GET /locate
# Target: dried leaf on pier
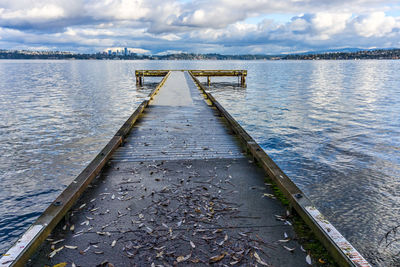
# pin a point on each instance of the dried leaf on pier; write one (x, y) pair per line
(243, 234)
(285, 235)
(289, 249)
(71, 247)
(192, 244)
(149, 230)
(223, 241)
(103, 233)
(208, 237)
(105, 264)
(78, 233)
(308, 259)
(160, 254)
(82, 252)
(269, 195)
(259, 260)
(217, 231)
(217, 258)
(183, 258)
(113, 243)
(195, 260)
(56, 242)
(54, 252)
(61, 264)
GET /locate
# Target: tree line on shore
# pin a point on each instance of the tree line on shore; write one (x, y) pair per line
(362, 54)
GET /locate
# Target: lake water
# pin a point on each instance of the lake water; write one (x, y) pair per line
(332, 126)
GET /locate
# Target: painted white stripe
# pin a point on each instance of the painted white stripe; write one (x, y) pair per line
(338, 239)
(8, 258)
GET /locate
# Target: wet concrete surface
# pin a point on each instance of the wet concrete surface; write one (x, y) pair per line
(149, 208)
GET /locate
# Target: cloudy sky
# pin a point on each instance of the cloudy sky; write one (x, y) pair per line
(203, 26)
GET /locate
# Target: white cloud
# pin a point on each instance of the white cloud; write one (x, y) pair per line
(202, 26)
(299, 24)
(118, 10)
(328, 24)
(169, 37)
(376, 24)
(45, 12)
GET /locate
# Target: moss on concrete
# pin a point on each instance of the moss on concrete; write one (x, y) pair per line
(304, 234)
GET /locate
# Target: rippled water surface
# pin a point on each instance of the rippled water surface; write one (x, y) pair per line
(332, 126)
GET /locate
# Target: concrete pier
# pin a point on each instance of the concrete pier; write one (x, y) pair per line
(174, 187)
(179, 191)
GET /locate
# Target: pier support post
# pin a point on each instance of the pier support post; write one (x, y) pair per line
(208, 80)
(243, 80)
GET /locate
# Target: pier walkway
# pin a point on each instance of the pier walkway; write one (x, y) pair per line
(178, 191)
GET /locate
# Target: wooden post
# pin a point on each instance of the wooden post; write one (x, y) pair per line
(243, 81)
(139, 79)
(208, 81)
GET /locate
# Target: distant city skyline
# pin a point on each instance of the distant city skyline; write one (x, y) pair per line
(221, 26)
(124, 50)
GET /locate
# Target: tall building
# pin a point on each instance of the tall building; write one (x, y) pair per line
(109, 52)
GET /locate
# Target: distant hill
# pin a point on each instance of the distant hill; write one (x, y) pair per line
(346, 53)
(341, 50)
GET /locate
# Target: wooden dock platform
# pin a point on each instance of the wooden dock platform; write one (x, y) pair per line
(173, 187)
(242, 74)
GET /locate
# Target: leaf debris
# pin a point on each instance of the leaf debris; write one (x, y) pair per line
(217, 258)
(183, 222)
(183, 258)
